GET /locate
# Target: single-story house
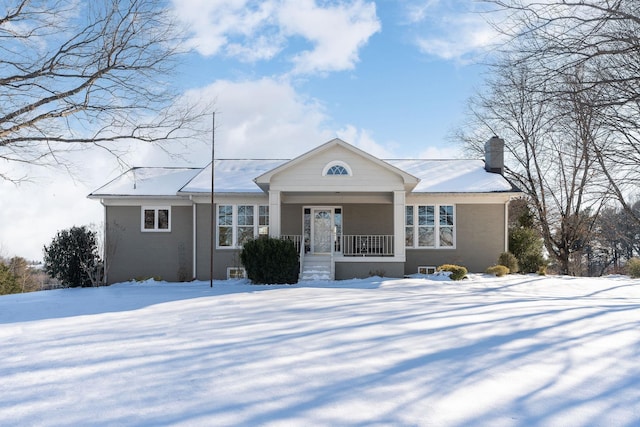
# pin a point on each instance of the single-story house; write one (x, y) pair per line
(349, 213)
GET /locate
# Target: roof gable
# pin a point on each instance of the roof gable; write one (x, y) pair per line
(307, 170)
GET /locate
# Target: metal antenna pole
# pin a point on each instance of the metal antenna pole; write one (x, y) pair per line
(213, 217)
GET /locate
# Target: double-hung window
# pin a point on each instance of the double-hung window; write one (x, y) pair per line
(430, 226)
(225, 225)
(238, 224)
(426, 226)
(246, 222)
(408, 227)
(263, 220)
(446, 225)
(156, 218)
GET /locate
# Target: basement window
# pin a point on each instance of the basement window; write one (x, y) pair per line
(426, 270)
(236, 273)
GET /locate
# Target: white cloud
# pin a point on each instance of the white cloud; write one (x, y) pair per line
(459, 38)
(363, 140)
(449, 152)
(265, 118)
(452, 30)
(33, 212)
(417, 12)
(253, 31)
(337, 32)
(214, 24)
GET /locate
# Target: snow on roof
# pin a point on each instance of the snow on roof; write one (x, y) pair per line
(231, 176)
(147, 182)
(452, 176)
(236, 176)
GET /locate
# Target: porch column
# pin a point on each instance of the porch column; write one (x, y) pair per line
(274, 213)
(398, 224)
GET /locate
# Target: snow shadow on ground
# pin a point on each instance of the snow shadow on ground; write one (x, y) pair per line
(136, 295)
(521, 351)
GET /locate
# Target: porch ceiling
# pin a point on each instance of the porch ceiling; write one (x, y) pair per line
(336, 197)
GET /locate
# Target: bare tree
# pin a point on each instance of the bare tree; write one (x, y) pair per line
(600, 39)
(74, 74)
(548, 153)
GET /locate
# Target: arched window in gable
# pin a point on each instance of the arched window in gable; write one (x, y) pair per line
(337, 168)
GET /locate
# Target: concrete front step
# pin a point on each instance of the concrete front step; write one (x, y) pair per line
(316, 268)
(306, 277)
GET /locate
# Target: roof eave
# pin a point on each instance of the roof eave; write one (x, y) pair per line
(135, 196)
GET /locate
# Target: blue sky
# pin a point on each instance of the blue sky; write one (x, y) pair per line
(391, 77)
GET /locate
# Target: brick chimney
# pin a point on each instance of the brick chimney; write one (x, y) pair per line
(494, 155)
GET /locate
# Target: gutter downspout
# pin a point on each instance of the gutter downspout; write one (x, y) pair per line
(506, 225)
(105, 267)
(195, 234)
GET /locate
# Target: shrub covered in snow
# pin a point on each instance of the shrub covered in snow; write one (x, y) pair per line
(268, 260)
(633, 267)
(457, 272)
(498, 270)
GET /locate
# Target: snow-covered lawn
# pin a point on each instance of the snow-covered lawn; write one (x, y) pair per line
(514, 351)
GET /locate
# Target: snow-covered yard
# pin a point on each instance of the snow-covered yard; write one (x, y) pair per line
(514, 351)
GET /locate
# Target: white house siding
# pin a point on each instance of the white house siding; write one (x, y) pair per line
(307, 176)
(480, 237)
(133, 254)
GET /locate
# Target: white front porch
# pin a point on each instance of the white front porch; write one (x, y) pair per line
(351, 245)
(358, 225)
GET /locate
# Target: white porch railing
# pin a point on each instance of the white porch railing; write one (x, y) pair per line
(295, 238)
(353, 244)
(367, 245)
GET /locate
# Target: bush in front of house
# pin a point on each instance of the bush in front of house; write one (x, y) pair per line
(269, 260)
(526, 245)
(542, 271)
(73, 259)
(633, 267)
(457, 272)
(532, 263)
(497, 270)
(510, 261)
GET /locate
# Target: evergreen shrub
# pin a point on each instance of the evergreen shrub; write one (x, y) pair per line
(8, 281)
(526, 245)
(269, 260)
(457, 272)
(510, 261)
(633, 267)
(73, 259)
(532, 263)
(497, 270)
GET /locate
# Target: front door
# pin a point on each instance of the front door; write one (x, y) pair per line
(321, 230)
